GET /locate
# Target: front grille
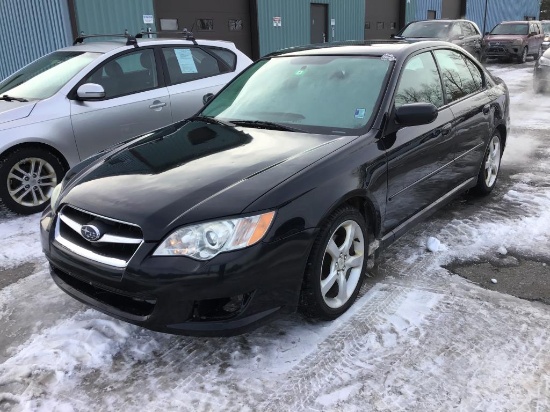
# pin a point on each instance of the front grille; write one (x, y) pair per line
(127, 304)
(117, 244)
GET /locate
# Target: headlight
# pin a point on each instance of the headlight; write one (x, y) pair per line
(55, 196)
(206, 240)
(547, 38)
(543, 61)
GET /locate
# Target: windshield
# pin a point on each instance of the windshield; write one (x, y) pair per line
(511, 29)
(44, 77)
(317, 94)
(546, 28)
(426, 29)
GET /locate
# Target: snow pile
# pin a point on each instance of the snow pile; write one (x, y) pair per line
(20, 241)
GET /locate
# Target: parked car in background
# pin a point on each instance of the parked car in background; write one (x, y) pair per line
(78, 100)
(541, 76)
(271, 199)
(463, 33)
(514, 40)
(546, 30)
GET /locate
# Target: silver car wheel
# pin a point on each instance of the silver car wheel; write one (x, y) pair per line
(492, 162)
(31, 181)
(342, 264)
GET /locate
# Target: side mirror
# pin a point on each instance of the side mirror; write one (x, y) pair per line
(90, 91)
(533, 33)
(416, 114)
(207, 97)
(486, 33)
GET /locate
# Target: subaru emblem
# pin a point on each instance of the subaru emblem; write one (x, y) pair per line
(90, 233)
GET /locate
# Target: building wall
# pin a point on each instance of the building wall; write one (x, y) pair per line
(112, 16)
(31, 29)
(382, 19)
(418, 9)
(500, 10)
(349, 17)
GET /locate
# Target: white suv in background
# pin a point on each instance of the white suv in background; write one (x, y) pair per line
(78, 100)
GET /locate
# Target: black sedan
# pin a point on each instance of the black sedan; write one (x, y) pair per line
(541, 77)
(277, 193)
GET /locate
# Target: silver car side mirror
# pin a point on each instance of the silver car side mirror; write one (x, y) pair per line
(90, 91)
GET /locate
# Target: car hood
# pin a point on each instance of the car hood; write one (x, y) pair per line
(191, 172)
(503, 38)
(14, 110)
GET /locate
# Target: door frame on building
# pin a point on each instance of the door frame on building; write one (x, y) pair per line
(324, 8)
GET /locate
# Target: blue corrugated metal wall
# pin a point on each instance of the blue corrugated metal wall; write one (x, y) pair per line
(31, 29)
(501, 10)
(418, 9)
(112, 16)
(349, 16)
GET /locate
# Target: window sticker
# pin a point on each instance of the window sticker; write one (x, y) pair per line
(360, 113)
(186, 61)
(389, 57)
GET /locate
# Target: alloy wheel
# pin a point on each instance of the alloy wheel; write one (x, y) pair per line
(492, 162)
(342, 264)
(31, 181)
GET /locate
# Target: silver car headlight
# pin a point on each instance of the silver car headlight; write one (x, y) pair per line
(543, 61)
(55, 197)
(206, 240)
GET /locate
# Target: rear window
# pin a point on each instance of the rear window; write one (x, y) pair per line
(226, 55)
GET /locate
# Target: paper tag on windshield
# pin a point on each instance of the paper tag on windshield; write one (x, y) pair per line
(360, 113)
(389, 57)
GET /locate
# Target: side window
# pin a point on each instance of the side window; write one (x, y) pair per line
(457, 78)
(186, 64)
(226, 55)
(419, 82)
(467, 29)
(476, 73)
(455, 31)
(128, 74)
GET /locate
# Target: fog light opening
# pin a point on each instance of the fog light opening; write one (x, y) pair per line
(222, 308)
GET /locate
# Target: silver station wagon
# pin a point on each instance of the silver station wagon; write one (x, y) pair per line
(78, 100)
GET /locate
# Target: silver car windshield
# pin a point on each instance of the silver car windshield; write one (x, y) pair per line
(317, 94)
(44, 77)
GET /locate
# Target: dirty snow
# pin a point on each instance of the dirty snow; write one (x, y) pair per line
(418, 338)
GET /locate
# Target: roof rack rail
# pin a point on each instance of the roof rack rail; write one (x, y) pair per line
(187, 35)
(130, 40)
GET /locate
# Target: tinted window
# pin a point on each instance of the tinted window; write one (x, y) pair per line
(188, 63)
(226, 55)
(457, 78)
(420, 82)
(128, 74)
(468, 29)
(426, 29)
(455, 31)
(44, 77)
(476, 73)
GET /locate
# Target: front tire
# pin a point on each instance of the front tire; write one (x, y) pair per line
(27, 179)
(523, 57)
(336, 266)
(490, 166)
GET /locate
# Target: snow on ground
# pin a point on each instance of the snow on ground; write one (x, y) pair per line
(417, 339)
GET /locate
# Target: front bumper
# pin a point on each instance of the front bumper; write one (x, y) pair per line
(228, 295)
(545, 45)
(502, 50)
(542, 76)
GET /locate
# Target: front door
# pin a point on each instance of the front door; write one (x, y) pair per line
(419, 157)
(319, 23)
(135, 103)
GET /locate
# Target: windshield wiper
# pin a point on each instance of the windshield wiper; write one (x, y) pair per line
(211, 120)
(259, 124)
(11, 99)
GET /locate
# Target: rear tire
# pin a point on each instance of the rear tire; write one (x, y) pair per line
(27, 178)
(336, 266)
(490, 166)
(539, 53)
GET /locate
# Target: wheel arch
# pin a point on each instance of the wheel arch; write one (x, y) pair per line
(38, 145)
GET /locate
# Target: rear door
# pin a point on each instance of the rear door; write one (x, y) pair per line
(136, 102)
(472, 39)
(470, 102)
(419, 157)
(193, 72)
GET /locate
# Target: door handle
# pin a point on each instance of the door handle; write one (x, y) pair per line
(445, 130)
(157, 104)
(486, 109)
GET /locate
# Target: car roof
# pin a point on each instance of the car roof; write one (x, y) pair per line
(108, 46)
(396, 48)
(519, 21)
